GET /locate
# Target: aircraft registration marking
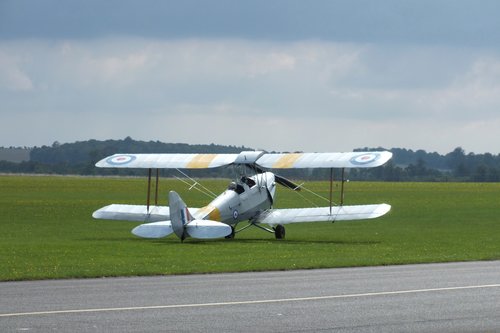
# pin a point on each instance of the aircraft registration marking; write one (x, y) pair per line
(201, 161)
(287, 160)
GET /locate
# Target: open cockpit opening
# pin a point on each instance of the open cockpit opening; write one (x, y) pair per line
(238, 188)
(249, 181)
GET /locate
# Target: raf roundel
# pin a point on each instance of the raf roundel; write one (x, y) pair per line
(120, 159)
(365, 158)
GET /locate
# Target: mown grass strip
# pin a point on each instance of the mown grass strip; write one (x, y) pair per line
(47, 230)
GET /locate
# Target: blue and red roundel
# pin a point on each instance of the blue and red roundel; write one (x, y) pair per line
(120, 159)
(365, 158)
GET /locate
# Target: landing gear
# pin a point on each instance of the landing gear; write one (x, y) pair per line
(279, 232)
(231, 235)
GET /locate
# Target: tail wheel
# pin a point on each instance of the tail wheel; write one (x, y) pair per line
(279, 232)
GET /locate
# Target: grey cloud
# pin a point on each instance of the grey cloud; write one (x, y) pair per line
(420, 22)
(312, 95)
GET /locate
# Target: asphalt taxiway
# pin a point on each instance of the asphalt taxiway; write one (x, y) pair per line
(449, 297)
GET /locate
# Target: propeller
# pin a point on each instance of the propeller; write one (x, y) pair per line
(279, 179)
(286, 183)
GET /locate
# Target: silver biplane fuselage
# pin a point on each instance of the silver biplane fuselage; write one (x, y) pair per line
(242, 200)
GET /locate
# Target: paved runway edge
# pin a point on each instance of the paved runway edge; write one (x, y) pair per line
(445, 297)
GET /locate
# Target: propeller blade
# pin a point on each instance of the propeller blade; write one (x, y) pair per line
(255, 168)
(286, 183)
(279, 179)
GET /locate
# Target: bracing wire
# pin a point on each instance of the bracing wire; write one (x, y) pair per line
(313, 193)
(195, 184)
(191, 186)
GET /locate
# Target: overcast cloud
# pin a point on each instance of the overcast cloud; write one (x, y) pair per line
(274, 75)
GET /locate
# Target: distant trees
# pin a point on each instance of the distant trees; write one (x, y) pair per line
(406, 165)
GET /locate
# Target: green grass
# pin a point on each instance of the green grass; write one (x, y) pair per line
(47, 231)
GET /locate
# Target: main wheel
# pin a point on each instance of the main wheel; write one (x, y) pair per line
(231, 235)
(279, 232)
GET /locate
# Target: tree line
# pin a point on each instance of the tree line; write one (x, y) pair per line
(406, 165)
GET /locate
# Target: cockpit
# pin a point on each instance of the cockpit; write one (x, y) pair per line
(238, 188)
(249, 181)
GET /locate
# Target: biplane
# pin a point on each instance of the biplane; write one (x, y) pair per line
(250, 197)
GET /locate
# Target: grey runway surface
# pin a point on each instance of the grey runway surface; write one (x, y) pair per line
(454, 297)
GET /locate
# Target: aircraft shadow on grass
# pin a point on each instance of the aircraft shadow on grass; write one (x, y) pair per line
(266, 242)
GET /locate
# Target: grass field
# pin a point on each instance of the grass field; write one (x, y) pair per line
(47, 230)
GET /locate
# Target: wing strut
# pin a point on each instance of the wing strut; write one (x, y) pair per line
(148, 200)
(342, 188)
(149, 189)
(156, 188)
(331, 189)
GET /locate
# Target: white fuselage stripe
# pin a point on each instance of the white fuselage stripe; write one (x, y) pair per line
(282, 300)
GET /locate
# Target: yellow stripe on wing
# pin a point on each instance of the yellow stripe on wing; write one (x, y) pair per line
(287, 161)
(201, 161)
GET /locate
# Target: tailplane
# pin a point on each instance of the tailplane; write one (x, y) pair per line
(182, 224)
(153, 230)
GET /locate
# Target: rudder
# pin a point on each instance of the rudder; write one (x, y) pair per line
(179, 214)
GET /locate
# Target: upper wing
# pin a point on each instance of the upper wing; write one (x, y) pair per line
(325, 160)
(270, 161)
(322, 214)
(167, 161)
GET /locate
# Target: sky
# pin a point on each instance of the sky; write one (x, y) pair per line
(315, 76)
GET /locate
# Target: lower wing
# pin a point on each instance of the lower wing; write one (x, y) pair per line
(322, 214)
(137, 213)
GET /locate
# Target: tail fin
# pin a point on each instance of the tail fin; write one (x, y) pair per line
(185, 225)
(179, 214)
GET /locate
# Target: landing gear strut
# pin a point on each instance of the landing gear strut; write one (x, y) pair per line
(231, 235)
(279, 232)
